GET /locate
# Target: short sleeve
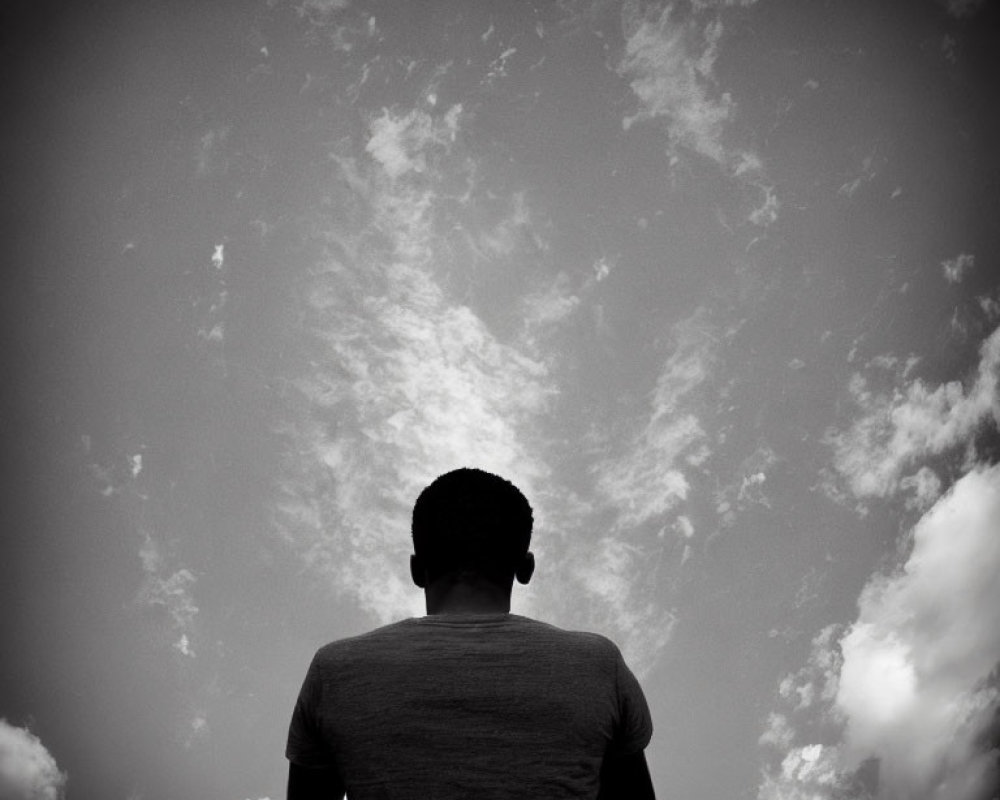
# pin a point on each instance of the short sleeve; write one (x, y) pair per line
(635, 724)
(305, 745)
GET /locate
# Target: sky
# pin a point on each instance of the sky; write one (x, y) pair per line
(713, 281)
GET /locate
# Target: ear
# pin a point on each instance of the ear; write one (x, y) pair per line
(417, 572)
(526, 568)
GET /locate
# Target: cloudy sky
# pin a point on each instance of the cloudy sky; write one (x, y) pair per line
(714, 281)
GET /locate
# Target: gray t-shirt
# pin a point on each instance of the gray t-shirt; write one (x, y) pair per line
(464, 706)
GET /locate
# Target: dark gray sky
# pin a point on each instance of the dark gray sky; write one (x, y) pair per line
(714, 282)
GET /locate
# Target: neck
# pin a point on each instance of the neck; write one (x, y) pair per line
(444, 597)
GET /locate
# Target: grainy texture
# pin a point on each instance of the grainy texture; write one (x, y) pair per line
(468, 705)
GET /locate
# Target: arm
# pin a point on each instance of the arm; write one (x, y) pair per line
(313, 783)
(626, 777)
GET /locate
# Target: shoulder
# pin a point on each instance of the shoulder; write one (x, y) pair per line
(594, 645)
(349, 646)
(597, 640)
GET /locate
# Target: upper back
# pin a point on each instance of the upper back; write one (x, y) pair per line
(496, 705)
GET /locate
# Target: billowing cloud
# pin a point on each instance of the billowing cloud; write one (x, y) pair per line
(913, 683)
(898, 429)
(926, 639)
(27, 769)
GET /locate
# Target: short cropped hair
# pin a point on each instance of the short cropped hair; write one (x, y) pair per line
(469, 520)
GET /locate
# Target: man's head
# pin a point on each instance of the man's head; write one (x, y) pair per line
(473, 526)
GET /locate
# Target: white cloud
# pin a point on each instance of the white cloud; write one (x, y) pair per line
(549, 306)
(897, 430)
(816, 682)
(428, 389)
(172, 593)
(211, 153)
(702, 4)
(401, 143)
(613, 579)
(669, 61)
(404, 380)
(767, 212)
(961, 9)
(27, 769)
(866, 174)
(671, 69)
(603, 267)
(684, 527)
(990, 306)
(914, 685)
(416, 381)
(748, 489)
(807, 773)
(511, 231)
(955, 268)
(646, 479)
(778, 733)
(926, 487)
(925, 639)
(184, 645)
(498, 67)
(319, 10)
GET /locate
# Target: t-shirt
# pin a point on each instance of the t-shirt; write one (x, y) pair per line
(464, 706)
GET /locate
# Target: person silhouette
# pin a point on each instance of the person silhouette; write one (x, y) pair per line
(470, 701)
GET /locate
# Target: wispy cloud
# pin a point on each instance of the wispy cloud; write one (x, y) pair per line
(27, 769)
(702, 4)
(409, 381)
(509, 232)
(212, 307)
(401, 143)
(406, 380)
(898, 429)
(322, 8)
(171, 591)
(645, 478)
(670, 64)
(865, 174)
(913, 685)
(962, 9)
(550, 306)
(212, 152)
(669, 60)
(955, 268)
